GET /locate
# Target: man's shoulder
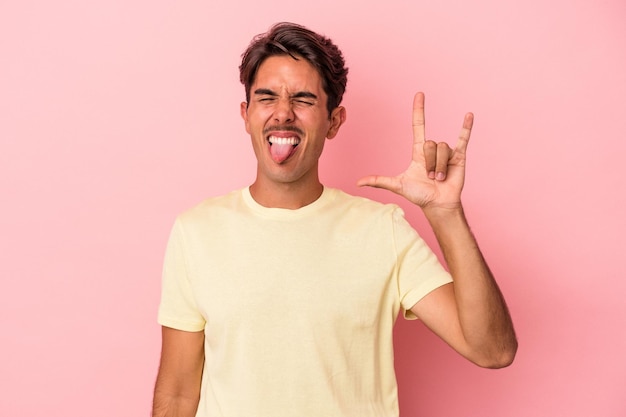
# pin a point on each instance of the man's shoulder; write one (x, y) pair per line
(214, 204)
(362, 204)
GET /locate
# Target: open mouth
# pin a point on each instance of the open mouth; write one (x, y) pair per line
(282, 148)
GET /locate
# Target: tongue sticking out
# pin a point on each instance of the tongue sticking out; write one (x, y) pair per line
(280, 152)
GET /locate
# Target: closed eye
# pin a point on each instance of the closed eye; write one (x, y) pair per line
(265, 95)
(305, 98)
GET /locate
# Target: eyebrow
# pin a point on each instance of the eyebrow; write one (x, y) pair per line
(299, 94)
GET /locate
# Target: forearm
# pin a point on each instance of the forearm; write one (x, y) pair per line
(169, 404)
(178, 384)
(482, 312)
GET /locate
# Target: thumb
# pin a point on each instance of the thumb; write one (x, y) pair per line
(379, 181)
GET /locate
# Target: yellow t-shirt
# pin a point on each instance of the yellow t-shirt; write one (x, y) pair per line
(297, 306)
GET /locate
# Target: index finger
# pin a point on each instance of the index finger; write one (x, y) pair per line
(419, 127)
(419, 121)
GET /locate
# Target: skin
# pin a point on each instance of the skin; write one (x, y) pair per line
(177, 389)
(287, 99)
(469, 314)
(288, 94)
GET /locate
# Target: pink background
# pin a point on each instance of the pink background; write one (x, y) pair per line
(117, 115)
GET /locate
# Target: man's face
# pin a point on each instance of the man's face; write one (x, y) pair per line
(288, 121)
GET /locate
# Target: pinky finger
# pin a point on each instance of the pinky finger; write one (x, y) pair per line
(466, 131)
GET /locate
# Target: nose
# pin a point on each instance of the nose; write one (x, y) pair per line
(283, 113)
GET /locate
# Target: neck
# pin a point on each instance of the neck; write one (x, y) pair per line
(285, 195)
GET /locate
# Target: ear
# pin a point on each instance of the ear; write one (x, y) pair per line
(337, 117)
(243, 111)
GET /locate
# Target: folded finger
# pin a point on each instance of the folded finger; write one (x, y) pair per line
(430, 158)
(443, 156)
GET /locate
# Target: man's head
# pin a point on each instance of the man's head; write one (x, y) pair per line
(299, 43)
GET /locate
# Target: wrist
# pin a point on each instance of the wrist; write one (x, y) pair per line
(445, 217)
(444, 212)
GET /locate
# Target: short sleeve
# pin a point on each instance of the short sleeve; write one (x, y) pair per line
(418, 269)
(178, 307)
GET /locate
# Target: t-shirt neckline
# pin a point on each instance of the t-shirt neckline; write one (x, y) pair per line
(328, 194)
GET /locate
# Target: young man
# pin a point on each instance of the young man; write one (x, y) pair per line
(279, 299)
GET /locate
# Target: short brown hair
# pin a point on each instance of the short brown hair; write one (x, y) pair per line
(297, 41)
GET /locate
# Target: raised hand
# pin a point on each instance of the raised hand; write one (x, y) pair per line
(436, 173)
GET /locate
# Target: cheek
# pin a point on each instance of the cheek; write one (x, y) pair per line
(257, 120)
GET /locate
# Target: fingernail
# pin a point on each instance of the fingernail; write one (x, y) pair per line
(431, 175)
(441, 176)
